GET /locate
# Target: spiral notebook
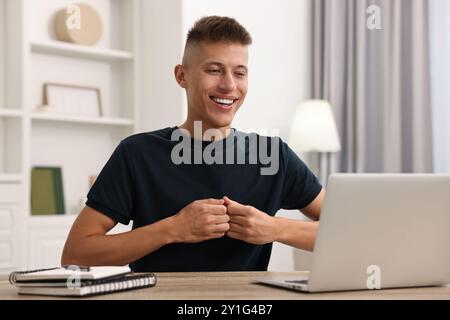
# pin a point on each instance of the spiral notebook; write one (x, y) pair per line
(86, 281)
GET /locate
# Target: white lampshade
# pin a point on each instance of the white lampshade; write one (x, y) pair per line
(313, 128)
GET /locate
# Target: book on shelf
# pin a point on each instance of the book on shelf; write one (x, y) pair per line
(47, 193)
(79, 281)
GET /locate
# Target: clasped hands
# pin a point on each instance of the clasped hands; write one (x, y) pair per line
(214, 218)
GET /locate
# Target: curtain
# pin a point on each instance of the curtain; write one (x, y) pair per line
(377, 80)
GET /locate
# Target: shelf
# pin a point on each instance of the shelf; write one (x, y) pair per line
(80, 51)
(81, 119)
(10, 113)
(10, 177)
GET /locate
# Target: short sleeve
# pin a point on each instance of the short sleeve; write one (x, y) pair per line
(300, 185)
(113, 190)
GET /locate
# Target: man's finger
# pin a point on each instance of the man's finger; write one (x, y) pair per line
(234, 207)
(211, 201)
(223, 227)
(217, 209)
(234, 235)
(223, 218)
(217, 235)
(227, 200)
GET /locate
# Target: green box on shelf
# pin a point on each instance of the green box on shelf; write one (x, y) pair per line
(47, 193)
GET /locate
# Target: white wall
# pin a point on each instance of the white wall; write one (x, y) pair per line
(440, 77)
(279, 68)
(162, 98)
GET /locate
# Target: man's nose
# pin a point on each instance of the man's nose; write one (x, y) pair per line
(227, 82)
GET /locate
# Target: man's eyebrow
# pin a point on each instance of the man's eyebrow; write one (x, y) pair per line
(241, 66)
(213, 62)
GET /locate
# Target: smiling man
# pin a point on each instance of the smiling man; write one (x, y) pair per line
(217, 214)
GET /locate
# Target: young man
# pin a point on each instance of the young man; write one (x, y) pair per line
(198, 215)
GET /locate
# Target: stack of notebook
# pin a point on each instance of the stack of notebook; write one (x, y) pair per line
(79, 281)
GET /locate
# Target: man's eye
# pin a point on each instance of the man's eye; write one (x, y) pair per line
(214, 71)
(241, 74)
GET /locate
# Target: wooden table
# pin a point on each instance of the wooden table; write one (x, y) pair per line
(236, 286)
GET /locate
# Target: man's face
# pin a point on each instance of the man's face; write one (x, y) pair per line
(216, 82)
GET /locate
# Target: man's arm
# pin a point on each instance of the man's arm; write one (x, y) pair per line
(301, 234)
(251, 225)
(88, 244)
(313, 210)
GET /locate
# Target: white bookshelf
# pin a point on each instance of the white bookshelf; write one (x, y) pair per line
(11, 149)
(30, 56)
(10, 113)
(11, 178)
(120, 122)
(79, 51)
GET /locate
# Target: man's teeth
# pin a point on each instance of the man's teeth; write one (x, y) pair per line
(223, 101)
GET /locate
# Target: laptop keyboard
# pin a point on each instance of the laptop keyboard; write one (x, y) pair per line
(297, 281)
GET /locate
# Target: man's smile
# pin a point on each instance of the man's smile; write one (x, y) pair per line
(223, 102)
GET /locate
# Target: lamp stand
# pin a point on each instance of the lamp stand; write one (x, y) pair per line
(324, 167)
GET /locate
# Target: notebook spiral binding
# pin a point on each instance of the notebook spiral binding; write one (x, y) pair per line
(135, 281)
(13, 275)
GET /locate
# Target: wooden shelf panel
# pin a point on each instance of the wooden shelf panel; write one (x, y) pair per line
(10, 113)
(10, 177)
(80, 119)
(80, 51)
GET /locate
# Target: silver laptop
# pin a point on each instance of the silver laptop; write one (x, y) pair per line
(380, 231)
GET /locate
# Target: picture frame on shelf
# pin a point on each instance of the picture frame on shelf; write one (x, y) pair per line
(70, 99)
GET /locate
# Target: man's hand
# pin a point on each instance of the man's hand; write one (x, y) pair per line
(249, 224)
(200, 220)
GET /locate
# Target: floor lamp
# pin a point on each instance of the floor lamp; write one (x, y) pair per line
(314, 130)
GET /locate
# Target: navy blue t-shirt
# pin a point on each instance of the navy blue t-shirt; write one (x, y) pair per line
(142, 182)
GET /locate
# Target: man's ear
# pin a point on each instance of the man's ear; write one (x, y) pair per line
(180, 75)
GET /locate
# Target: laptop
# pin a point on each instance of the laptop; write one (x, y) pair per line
(380, 231)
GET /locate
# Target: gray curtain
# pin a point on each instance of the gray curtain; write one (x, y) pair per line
(378, 82)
